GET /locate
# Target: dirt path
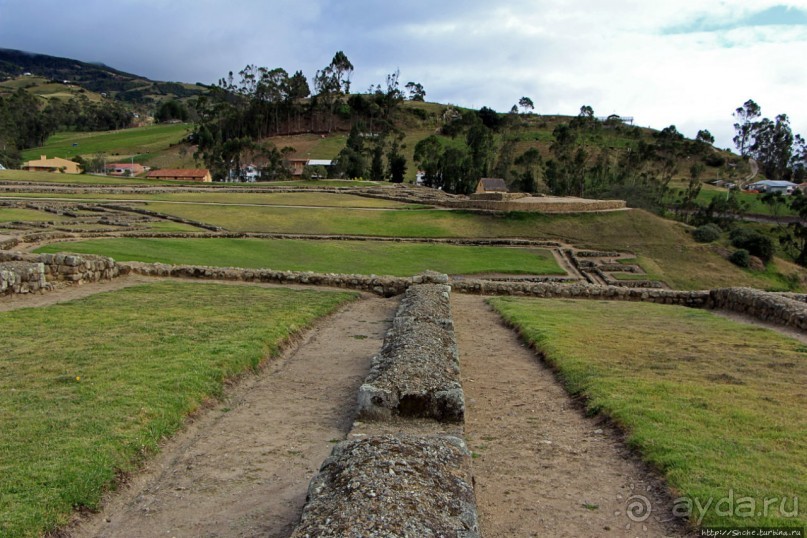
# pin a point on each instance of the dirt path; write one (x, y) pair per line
(69, 293)
(243, 468)
(541, 467)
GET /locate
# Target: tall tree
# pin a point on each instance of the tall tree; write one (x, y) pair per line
(377, 163)
(482, 149)
(332, 82)
(705, 136)
(745, 126)
(416, 91)
(526, 105)
(773, 147)
(396, 160)
(428, 153)
(794, 238)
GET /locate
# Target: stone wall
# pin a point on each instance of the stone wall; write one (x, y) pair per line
(68, 268)
(21, 277)
(771, 307)
(538, 205)
(416, 483)
(781, 308)
(388, 485)
(416, 373)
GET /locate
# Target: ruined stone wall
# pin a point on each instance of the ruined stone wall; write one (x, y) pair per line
(536, 205)
(771, 307)
(781, 308)
(21, 277)
(416, 373)
(66, 267)
(417, 483)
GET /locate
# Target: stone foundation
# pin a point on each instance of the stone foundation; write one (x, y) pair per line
(21, 277)
(392, 486)
(416, 373)
(66, 267)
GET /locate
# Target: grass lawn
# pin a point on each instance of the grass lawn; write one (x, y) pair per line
(670, 253)
(312, 199)
(121, 143)
(89, 387)
(78, 179)
(716, 405)
(13, 214)
(358, 257)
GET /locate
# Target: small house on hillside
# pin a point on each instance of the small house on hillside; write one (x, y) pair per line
(182, 174)
(124, 169)
(56, 164)
(489, 185)
(298, 165)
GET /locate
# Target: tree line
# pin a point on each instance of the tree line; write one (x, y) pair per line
(26, 120)
(240, 112)
(781, 154)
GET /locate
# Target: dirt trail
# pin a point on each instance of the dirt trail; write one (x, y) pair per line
(541, 467)
(242, 469)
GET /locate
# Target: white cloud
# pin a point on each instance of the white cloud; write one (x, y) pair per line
(652, 60)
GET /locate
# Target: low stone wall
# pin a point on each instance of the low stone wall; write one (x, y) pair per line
(416, 373)
(492, 241)
(21, 277)
(380, 285)
(10, 243)
(770, 307)
(68, 268)
(781, 308)
(393, 486)
(537, 205)
(172, 218)
(548, 290)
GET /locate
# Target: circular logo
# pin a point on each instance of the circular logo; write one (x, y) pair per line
(638, 508)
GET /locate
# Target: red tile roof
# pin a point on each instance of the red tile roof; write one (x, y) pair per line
(179, 172)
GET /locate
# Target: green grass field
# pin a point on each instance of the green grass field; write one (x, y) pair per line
(357, 257)
(13, 214)
(79, 179)
(115, 373)
(716, 405)
(312, 199)
(669, 252)
(123, 143)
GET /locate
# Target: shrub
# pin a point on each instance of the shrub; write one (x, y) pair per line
(754, 242)
(707, 233)
(740, 258)
(714, 160)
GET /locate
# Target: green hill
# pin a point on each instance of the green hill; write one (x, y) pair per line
(50, 75)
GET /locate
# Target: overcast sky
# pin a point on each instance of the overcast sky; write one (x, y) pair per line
(683, 62)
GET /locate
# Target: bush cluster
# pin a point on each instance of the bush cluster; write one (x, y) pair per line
(754, 242)
(740, 258)
(707, 233)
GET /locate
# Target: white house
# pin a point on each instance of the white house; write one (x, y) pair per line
(771, 186)
(249, 174)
